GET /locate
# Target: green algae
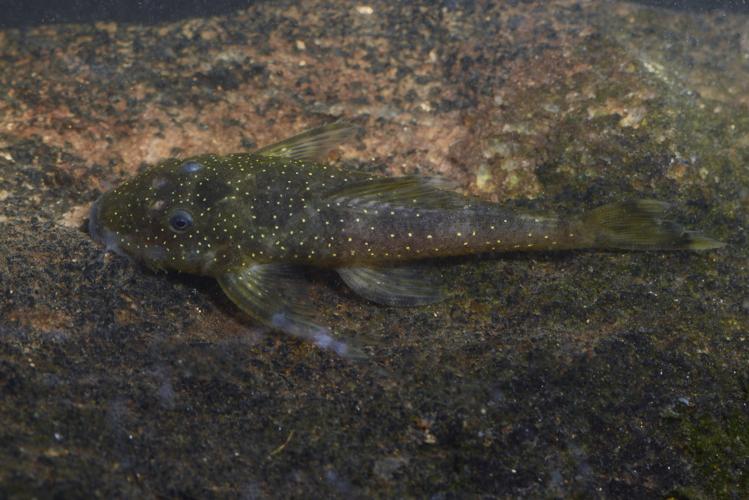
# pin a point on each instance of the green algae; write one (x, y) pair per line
(719, 447)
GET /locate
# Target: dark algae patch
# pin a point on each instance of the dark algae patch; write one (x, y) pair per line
(570, 374)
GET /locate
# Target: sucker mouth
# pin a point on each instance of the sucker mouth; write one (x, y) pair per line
(101, 234)
(93, 222)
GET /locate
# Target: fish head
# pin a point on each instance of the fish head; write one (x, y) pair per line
(171, 216)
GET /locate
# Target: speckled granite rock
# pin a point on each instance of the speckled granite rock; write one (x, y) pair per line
(615, 374)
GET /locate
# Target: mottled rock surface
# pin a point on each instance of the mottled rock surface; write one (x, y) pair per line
(615, 374)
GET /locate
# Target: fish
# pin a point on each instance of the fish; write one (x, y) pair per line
(254, 221)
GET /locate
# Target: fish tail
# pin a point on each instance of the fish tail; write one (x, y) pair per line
(639, 225)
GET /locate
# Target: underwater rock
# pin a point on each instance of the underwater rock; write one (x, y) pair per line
(540, 373)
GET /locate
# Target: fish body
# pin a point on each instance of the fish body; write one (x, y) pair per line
(249, 220)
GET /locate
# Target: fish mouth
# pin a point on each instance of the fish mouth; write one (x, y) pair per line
(99, 232)
(94, 229)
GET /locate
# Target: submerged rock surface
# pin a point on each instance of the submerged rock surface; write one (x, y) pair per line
(622, 374)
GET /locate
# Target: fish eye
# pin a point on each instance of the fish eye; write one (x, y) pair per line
(180, 221)
(191, 167)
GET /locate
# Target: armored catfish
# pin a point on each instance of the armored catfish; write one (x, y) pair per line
(251, 219)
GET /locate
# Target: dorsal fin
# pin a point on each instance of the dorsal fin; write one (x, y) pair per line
(420, 192)
(311, 145)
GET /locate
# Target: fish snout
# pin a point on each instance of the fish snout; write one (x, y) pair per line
(94, 228)
(99, 233)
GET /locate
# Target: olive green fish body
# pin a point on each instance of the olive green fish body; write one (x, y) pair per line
(250, 220)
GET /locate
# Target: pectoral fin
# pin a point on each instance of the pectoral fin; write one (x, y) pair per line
(393, 286)
(312, 145)
(273, 295)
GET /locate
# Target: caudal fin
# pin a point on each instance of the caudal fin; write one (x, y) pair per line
(639, 225)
